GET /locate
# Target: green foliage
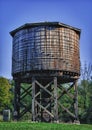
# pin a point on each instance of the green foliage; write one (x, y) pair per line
(67, 102)
(85, 101)
(27, 98)
(5, 94)
(27, 117)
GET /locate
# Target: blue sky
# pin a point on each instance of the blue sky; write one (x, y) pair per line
(14, 13)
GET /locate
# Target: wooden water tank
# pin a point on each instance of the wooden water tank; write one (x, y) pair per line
(46, 47)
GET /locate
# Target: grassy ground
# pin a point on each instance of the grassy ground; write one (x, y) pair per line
(42, 126)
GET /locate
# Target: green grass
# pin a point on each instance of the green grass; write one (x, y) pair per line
(42, 126)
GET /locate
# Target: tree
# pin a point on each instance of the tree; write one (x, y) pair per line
(5, 94)
(85, 94)
(85, 101)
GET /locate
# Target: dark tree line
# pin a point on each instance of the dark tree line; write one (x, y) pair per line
(85, 94)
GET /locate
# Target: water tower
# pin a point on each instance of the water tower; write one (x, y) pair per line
(45, 56)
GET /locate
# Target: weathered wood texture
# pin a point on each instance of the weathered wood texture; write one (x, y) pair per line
(44, 47)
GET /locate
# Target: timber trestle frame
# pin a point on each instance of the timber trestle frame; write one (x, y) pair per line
(45, 99)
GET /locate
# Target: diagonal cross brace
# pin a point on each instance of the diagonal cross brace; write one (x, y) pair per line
(41, 86)
(44, 108)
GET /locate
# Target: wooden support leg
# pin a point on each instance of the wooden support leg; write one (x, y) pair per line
(17, 101)
(55, 100)
(76, 101)
(33, 99)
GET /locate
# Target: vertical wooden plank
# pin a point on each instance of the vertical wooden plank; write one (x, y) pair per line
(76, 100)
(33, 98)
(55, 100)
(16, 100)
